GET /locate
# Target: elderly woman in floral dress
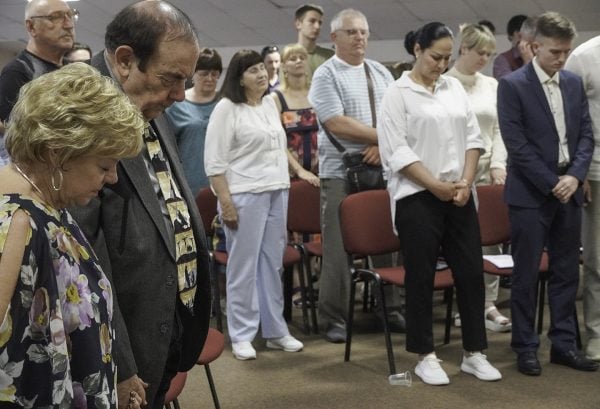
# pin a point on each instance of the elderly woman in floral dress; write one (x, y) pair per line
(65, 136)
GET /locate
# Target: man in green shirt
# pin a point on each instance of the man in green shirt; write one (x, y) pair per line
(309, 18)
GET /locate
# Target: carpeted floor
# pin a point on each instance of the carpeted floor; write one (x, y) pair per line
(318, 377)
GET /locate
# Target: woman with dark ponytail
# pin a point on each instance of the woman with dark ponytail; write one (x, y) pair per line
(430, 142)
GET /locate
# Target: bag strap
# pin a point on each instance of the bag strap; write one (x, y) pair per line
(371, 94)
(334, 141)
(284, 106)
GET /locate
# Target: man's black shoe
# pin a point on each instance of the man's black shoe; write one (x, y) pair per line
(574, 359)
(528, 364)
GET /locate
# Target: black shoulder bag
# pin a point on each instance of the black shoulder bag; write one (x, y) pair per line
(361, 176)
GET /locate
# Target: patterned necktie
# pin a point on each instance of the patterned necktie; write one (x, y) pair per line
(185, 245)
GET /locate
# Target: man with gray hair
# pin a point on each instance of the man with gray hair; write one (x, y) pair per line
(50, 25)
(146, 229)
(546, 127)
(340, 97)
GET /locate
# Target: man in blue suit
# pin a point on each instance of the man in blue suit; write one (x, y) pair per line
(546, 127)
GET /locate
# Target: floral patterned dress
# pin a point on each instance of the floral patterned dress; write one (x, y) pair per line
(56, 337)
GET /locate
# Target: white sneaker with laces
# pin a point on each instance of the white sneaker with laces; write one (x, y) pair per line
(287, 343)
(475, 363)
(430, 371)
(243, 350)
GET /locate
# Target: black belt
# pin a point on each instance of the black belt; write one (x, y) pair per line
(562, 170)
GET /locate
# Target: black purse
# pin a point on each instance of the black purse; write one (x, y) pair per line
(361, 176)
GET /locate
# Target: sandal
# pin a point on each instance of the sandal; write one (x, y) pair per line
(495, 321)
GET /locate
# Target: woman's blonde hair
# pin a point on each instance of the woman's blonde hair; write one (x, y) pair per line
(288, 52)
(73, 112)
(477, 36)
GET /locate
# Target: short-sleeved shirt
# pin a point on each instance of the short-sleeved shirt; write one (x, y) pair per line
(190, 120)
(339, 88)
(318, 57)
(56, 338)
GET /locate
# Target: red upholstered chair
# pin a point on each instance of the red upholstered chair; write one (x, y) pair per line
(366, 224)
(304, 219)
(177, 384)
(206, 201)
(213, 348)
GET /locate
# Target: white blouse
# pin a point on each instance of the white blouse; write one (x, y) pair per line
(418, 126)
(482, 90)
(248, 145)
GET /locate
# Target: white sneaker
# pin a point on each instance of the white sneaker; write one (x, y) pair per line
(593, 349)
(430, 371)
(475, 363)
(243, 350)
(287, 343)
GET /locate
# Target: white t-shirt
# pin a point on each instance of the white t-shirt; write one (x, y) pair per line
(248, 145)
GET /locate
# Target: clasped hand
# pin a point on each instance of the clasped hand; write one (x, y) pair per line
(457, 192)
(564, 189)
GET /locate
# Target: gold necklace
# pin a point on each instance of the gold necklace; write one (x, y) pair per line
(37, 189)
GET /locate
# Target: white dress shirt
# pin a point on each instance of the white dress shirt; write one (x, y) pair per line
(554, 96)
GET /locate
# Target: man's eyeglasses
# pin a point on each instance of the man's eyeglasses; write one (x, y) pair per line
(59, 16)
(353, 32)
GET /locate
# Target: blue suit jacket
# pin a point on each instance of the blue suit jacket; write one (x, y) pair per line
(531, 138)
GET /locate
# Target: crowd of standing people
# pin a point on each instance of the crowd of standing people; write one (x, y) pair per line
(104, 264)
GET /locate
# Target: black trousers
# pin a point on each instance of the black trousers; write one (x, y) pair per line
(425, 224)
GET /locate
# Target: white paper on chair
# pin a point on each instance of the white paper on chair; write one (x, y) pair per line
(500, 260)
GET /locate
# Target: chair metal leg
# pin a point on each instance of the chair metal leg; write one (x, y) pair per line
(311, 294)
(302, 279)
(386, 328)
(217, 294)
(288, 277)
(211, 384)
(449, 295)
(350, 323)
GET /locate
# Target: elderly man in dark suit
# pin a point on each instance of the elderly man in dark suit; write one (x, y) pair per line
(546, 127)
(146, 229)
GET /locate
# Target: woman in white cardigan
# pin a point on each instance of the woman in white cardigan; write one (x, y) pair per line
(246, 159)
(477, 46)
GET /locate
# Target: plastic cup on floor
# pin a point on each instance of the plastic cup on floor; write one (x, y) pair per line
(400, 379)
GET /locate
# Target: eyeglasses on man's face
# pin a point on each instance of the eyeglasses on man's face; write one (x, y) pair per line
(353, 32)
(60, 16)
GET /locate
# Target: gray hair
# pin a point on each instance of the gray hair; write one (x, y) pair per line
(338, 20)
(527, 29)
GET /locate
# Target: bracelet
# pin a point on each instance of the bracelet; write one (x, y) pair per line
(466, 182)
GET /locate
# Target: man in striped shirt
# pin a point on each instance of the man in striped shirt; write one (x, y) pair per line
(339, 96)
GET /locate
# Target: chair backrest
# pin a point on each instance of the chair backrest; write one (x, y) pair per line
(494, 225)
(304, 208)
(366, 224)
(206, 201)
